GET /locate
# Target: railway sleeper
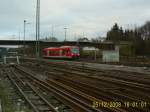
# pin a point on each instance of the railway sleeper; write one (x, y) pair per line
(30, 100)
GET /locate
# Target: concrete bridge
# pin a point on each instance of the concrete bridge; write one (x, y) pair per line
(44, 44)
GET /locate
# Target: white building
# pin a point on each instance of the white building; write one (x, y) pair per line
(111, 55)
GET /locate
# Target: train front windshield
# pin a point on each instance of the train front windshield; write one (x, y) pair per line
(75, 50)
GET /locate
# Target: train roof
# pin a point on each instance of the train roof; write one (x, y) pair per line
(60, 47)
(52, 48)
(68, 46)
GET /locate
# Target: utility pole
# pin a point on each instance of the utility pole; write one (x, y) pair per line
(19, 40)
(19, 34)
(65, 33)
(24, 36)
(52, 31)
(38, 29)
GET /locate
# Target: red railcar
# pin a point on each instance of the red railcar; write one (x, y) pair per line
(61, 52)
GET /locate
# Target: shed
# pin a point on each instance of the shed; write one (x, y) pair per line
(110, 56)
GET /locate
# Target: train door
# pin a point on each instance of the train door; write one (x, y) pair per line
(63, 52)
(60, 52)
(69, 52)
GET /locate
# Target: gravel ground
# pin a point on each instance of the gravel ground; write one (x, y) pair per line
(10, 100)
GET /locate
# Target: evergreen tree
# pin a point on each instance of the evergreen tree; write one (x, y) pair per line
(115, 34)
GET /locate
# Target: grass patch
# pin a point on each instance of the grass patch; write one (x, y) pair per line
(7, 105)
(6, 99)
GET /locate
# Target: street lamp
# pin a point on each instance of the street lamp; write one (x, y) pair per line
(52, 31)
(65, 33)
(25, 22)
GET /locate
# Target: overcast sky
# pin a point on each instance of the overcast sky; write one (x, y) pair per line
(91, 18)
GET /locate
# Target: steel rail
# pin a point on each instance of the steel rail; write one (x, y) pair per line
(111, 81)
(86, 89)
(62, 96)
(86, 97)
(16, 80)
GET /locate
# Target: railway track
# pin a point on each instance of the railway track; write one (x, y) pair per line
(96, 92)
(125, 77)
(80, 97)
(76, 88)
(56, 84)
(74, 80)
(138, 89)
(72, 101)
(30, 94)
(86, 68)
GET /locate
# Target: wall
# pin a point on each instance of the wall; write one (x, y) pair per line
(110, 56)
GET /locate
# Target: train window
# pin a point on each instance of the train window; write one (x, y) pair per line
(68, 51)
(50, 52)
(56, 52)
(64, 52)
(53, 52)
(75, 50)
